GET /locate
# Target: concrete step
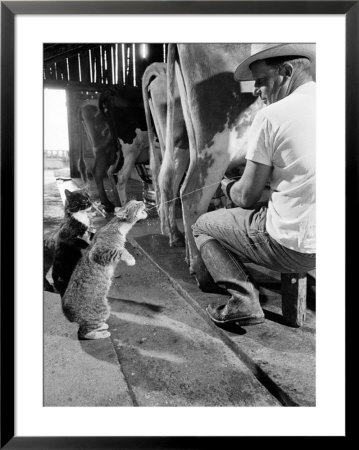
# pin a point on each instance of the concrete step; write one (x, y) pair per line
(78, 373)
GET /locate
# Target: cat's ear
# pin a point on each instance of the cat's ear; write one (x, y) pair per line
(121, 212)
(68, 193)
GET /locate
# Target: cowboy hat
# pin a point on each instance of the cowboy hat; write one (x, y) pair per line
(264, 51)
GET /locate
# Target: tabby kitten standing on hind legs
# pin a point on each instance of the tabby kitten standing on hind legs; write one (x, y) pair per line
(85, 300)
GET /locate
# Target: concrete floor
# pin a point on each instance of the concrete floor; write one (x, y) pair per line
(163, 349)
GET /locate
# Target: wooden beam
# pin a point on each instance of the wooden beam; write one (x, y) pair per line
(57, 53)
(74, 85)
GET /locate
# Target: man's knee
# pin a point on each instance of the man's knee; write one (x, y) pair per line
(200, 226)
(196, 227)
(201, 232)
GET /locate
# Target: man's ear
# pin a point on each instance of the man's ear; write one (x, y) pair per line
(286, 70)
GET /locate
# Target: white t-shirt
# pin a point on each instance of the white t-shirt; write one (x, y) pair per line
(283, 136)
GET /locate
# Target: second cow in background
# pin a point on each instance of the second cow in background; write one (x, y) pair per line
(123, 109)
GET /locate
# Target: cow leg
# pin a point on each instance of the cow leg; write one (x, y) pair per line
(125, 172)
(171, 174)
(155, 165)
(99, 172)
(157, 151)
(205, 172)
(83, 171)
(198, 188)
(181, 158)
(81, 164)
(111, 173)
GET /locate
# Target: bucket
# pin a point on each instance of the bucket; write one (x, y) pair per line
(149, 197)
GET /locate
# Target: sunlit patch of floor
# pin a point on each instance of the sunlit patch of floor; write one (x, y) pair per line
(166, 322)
(166, 356)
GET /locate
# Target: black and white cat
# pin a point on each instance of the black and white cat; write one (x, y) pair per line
(62, 248)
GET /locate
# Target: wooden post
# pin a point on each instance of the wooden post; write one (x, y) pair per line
(118, 64)
(129, 71)
(74, 68)
(97, 57)
(61, 70)
(294, 298)
(107, 64)
(123, 64)
(113, 64)
(141, 65)
(72, 101)
(85, 67)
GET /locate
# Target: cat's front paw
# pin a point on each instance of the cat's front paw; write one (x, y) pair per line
(127, 258)
(130, 261)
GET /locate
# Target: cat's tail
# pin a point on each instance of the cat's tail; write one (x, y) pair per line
(49, 254)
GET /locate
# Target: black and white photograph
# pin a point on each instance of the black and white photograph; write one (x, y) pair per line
(179, 224)
(176, 183)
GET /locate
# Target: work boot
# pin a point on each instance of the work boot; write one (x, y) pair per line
(229, 273)
(204, 279)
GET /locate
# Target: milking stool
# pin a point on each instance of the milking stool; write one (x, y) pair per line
(294, 298)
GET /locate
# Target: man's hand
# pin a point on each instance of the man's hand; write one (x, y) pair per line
(249, 189)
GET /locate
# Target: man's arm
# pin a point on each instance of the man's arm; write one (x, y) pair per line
(249, 189)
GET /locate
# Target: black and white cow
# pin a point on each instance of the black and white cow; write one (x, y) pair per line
(123, 109)
(103, 148)
(217, 115)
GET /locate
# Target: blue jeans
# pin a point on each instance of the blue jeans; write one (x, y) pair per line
(243, 232)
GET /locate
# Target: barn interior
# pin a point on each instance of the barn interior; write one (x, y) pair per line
(164, 350)
(81, 71)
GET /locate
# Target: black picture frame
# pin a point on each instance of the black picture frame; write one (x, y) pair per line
(9, 9)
